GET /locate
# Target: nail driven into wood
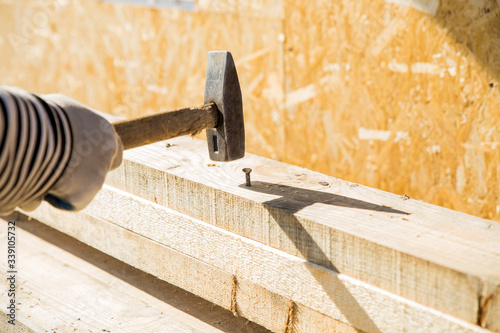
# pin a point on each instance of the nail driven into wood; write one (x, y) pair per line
(247, 176)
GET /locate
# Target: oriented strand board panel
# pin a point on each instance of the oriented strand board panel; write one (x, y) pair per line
(131, 60)
(400, 95)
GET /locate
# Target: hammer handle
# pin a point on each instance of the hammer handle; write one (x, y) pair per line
(166, 125)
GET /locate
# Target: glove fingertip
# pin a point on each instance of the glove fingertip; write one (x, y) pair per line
(118, 157)
(58, 203)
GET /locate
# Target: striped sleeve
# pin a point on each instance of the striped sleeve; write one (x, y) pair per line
(35, 147)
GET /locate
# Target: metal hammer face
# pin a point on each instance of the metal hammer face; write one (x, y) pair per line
(226, 142)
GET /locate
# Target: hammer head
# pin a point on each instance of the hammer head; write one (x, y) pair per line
(226, 142)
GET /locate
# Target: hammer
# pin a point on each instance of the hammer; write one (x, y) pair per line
(221, 114)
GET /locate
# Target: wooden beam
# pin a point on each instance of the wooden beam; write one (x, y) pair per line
(250, 301)
(440, 258)
(255, 280)
(70, 287)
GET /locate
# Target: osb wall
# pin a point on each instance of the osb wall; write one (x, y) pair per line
(401, 95)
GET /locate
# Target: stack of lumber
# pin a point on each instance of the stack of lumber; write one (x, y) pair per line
(63, 285)
(298, 251)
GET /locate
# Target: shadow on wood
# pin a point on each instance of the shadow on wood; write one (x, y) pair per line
(185, 301)
(295, 199)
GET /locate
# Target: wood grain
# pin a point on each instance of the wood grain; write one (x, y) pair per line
(434, 256)
(58, 291)
(204, 259)
(252, 301)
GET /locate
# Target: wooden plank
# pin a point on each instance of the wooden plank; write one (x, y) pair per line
(58, 291)
(437, 257)
(253, 302)
(198, 244)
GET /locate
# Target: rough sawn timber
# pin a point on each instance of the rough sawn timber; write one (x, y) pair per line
(388, 244)
(437, 257)
(254, 280)
(217, 286)
(58, 291)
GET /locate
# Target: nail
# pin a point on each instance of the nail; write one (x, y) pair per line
(247, 174)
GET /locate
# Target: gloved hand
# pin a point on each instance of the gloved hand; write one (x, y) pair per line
(52, 148)
(96, 150)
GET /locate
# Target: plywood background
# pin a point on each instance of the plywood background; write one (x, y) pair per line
(401, 95)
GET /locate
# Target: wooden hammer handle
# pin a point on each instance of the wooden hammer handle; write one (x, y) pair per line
(166, 125)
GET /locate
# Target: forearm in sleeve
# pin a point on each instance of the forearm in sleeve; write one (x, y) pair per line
(35, 147)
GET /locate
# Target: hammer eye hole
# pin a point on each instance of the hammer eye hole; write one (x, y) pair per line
(216, 147)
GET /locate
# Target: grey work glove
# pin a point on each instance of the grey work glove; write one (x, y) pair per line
(52, 148)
